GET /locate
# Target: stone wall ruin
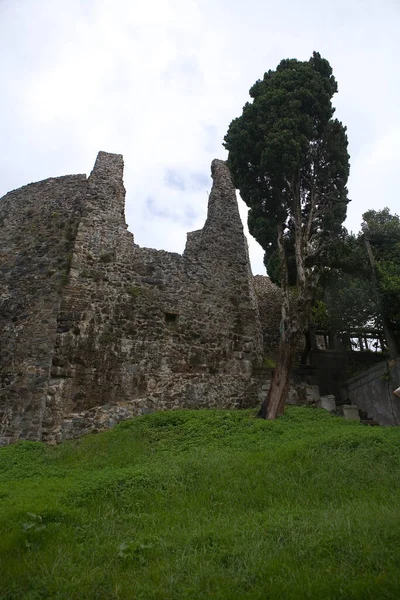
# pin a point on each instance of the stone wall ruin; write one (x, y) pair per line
(95, 329)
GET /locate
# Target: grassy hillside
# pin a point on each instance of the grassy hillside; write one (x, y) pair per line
(205, 504)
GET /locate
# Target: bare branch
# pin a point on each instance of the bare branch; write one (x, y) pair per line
(311, 214)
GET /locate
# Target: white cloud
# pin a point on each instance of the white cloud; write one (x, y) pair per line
(374, 178)
(159, 81)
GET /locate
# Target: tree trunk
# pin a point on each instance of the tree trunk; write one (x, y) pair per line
(295, 316)
(274, 404)
(295, 308)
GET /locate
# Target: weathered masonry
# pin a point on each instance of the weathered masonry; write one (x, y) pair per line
(94, 329)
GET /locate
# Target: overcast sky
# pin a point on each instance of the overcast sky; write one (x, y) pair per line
(159, 81)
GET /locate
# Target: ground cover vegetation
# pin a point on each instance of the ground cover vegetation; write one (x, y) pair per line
(288, 157)
(205, 504)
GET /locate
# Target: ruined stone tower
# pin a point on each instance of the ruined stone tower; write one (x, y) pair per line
(94, 328)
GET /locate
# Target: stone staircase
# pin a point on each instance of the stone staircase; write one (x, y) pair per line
(305, 394)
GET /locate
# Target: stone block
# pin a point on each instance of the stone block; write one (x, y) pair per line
(308, 395)
(293, 397)
(328, 403)
(350, 411)
(146, 411)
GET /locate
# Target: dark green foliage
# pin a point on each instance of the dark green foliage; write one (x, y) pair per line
(381, 223)
(345, 295)
(273, 266)
(346, 254)
(205, 504)
(384, 231)
(344, 300)
(346, 304)
(286, 141)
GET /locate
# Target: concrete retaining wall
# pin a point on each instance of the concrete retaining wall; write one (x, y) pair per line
(372, 392)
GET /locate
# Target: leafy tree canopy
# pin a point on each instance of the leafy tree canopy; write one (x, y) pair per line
(344, 296)
(287, 145)
(384, 230)
(381, 223)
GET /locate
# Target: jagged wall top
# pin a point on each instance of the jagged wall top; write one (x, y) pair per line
(102, 321)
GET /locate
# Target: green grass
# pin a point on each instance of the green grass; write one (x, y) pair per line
(205, 505)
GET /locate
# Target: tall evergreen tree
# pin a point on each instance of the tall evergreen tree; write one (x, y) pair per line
(288, 157)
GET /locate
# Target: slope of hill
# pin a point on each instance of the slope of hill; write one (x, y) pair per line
(205, 504)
